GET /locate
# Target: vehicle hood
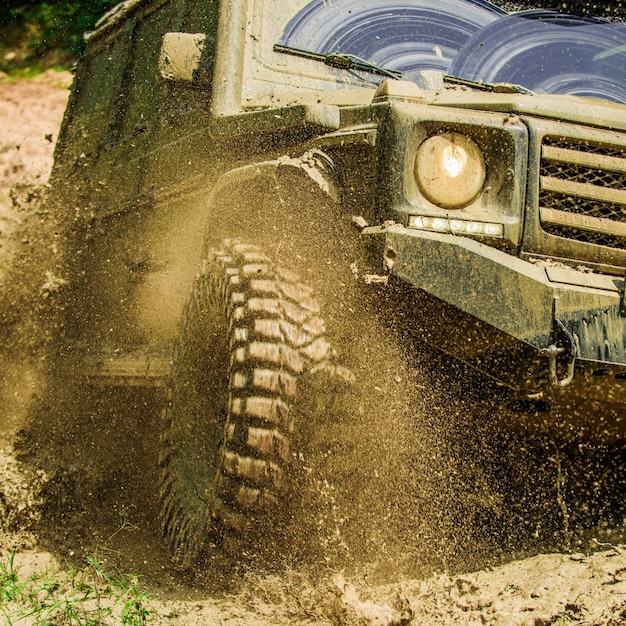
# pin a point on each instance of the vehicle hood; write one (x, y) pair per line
(576, 109)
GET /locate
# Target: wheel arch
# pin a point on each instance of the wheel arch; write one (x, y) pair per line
(309, 179)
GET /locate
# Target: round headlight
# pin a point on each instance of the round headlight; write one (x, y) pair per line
(450, 170)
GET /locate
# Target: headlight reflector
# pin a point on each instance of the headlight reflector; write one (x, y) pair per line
(450, 170)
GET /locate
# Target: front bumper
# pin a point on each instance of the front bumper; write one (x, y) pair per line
(502, 315)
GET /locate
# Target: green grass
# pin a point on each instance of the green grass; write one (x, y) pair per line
(98, 594)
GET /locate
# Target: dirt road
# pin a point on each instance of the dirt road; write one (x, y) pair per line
(579, 586)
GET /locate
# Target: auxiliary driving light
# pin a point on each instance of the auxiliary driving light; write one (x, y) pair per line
(450, 170)
(456, 226)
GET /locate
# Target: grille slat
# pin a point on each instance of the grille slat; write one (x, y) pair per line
(583, 191)
(578, 158)
(597, 225)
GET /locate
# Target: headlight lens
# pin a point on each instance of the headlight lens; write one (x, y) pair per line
(450, 170)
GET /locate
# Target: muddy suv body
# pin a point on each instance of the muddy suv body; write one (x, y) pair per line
(502, 210)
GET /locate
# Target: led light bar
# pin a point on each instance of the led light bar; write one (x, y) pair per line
(456, 226)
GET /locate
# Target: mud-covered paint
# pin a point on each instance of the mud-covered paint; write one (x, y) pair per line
(146, 163)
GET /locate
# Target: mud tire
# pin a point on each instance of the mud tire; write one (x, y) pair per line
(248, 332)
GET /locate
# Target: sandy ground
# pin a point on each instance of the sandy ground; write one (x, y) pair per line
(584, 586)
(30, 113)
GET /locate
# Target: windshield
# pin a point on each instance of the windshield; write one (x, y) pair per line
(562, 52)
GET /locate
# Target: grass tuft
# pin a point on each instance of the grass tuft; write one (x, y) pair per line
(99, 594)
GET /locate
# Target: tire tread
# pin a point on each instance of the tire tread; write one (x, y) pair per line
(275, 335)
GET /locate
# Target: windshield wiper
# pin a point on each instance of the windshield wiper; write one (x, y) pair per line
(340, 60)
(492, 87)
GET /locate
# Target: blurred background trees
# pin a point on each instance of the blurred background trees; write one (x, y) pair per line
(45, 33)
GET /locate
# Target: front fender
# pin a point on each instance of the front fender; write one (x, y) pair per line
(246, 195)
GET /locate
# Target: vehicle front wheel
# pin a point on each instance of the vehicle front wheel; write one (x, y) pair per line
(248, 332)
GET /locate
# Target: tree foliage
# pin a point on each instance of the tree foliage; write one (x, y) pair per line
(56, 25)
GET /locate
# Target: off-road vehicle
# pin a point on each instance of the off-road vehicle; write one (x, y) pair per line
(231, 174)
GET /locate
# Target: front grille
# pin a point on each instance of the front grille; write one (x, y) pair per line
(583, 191)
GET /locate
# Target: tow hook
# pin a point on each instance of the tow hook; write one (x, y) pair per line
(552, 352)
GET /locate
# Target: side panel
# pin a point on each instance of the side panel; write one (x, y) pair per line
(120, 110)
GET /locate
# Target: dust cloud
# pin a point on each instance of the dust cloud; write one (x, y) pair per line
(411, 502)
